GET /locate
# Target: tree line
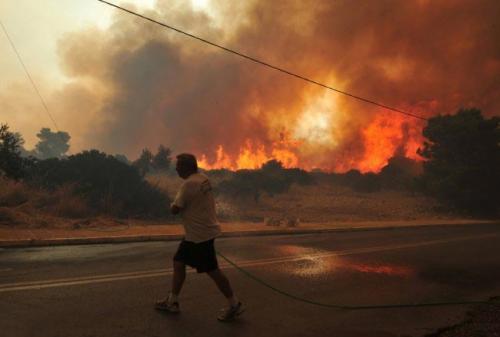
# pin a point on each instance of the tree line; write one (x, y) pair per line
(461, 167)
(56, 145)
(108, 184)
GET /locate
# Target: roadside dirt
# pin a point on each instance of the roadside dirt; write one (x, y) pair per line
(481, 321)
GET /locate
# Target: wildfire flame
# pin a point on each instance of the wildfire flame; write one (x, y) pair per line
(131, 86)
(251, 156)
(385, 137)
(316, 130)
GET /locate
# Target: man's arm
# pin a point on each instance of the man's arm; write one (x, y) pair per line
(182, 198)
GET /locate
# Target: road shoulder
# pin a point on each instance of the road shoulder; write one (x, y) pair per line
(25, 237)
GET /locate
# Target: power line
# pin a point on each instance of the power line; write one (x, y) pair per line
(262, 62)
(29, 76)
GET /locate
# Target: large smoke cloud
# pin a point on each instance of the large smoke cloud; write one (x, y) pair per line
(149, 86)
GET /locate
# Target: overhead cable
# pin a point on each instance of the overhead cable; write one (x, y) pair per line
(253, 59)
(29, 76)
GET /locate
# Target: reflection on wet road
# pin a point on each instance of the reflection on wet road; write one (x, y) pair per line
(317, 262)
(391, 270)
(67, 291)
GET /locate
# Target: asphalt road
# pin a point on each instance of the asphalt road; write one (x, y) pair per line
(109, 290)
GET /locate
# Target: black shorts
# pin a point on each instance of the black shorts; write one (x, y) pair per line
(197, 255)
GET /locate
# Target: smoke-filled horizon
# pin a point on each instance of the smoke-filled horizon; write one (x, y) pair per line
(137, 85)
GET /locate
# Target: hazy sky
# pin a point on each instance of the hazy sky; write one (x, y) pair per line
(118, 83)
(35, 28)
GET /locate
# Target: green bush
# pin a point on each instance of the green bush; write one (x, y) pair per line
(463, 161)
(271, 179)
(12, 165)
(107, 184)
(401, 173)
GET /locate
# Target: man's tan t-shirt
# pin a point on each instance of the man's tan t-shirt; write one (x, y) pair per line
(196, 200)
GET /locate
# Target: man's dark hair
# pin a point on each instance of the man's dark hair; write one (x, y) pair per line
(187, 161)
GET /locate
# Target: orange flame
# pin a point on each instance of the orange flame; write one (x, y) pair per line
(314, 135)
(385, 137)
(251, 156)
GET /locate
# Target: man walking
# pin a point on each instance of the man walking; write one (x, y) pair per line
(195, 203)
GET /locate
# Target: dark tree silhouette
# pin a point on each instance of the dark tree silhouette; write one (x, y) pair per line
(52, 144)
(162, 159)
(271, 179)
(272, 165)
(12, 164)
(400, 173)
(144, 163)
(106, 183)
(123, 158)
(463, 160)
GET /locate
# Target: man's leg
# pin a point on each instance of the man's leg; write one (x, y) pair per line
(222, 282)
(235, 307)
(171, 303)
(178, 278)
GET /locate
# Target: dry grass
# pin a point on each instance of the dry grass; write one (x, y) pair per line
(166, 183)
(8, 216)
(322, 203)
(317, 203)
(68, 205)
(22, 205)
(12, 193)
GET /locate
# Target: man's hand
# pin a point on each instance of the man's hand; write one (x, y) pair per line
(175, 209)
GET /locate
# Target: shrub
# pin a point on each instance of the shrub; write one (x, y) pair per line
(463, 160)
(12, 165)
(107, 184)
(12, 193)
(271, 179)
(66, 203)
(7, 216)
(400, 173)
(357, 181)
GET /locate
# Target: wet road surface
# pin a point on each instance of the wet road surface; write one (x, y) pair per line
(108, 290)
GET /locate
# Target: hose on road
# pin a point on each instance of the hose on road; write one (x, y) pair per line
(345, 307)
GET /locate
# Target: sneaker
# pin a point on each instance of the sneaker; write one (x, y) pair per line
(230, 313)
(165, 305)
